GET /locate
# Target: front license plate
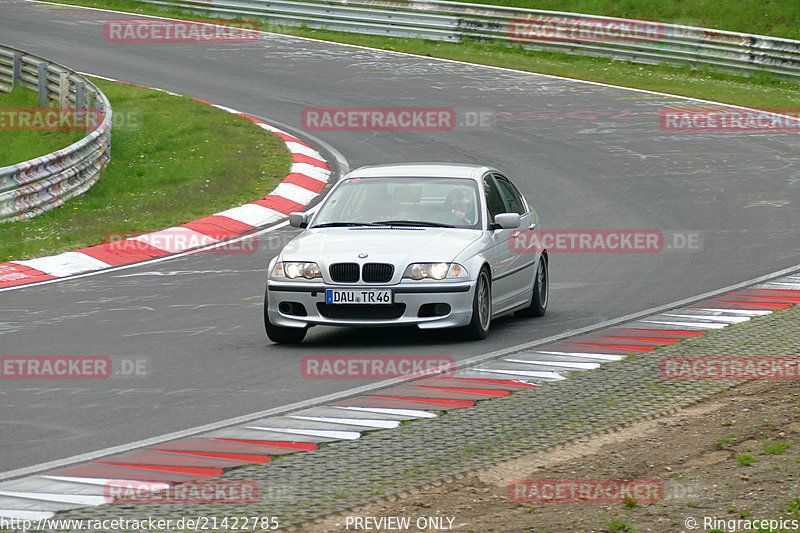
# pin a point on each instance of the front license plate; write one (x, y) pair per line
(358, 296)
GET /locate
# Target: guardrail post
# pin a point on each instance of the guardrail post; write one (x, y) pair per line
(16, 71)
(97, 107)
(63, 89)
(80, 97)
(91, 104)
(42, 78)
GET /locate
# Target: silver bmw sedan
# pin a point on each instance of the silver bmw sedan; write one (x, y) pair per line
(437, 245)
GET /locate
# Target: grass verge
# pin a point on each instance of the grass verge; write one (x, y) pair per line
(18, 146)
(173, 160)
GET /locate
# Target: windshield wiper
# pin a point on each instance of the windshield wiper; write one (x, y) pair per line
(341, 224)
(413, 223)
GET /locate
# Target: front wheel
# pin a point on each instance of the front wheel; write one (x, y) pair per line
(281, 334)
(478, 327)
(541, 292)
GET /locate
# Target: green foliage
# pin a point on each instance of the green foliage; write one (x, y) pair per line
(173, 160)
(721, 443)
(18, 146)
(777, 447)
(630, 502)
(621, 525)
(746, 459)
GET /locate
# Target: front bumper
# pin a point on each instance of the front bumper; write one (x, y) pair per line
(413, 305)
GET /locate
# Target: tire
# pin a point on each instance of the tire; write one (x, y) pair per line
(478, 327)
(541, 292)
(280, 334)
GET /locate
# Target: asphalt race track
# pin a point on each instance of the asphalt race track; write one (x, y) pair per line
(587, 156)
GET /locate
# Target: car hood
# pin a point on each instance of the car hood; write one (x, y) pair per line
(399, 245)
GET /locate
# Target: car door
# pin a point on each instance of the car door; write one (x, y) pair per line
(521, 269)
(499, 253)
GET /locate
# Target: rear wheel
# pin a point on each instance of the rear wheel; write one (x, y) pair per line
(541, 292)
(478, 327)
(281, 334)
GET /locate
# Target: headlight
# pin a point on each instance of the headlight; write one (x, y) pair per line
(295, 269)
(435, 271)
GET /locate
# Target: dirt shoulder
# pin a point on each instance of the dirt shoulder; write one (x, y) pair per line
(734, 456)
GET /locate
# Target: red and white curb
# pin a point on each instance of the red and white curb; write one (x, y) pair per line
(209, 453)
(308, 175)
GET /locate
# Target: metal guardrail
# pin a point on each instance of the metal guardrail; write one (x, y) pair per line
(632, 40)
(32, 187)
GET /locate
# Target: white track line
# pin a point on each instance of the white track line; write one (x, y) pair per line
(366, 422)
(326, 433)
(602, 356)
(577, 365)
(386, 410)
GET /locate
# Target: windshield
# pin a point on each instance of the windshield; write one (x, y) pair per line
(433, 202)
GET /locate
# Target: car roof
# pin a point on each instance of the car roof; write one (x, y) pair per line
(432, 170)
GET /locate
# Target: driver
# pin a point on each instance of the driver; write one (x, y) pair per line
(460, 205)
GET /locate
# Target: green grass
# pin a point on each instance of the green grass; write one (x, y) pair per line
(19, 146)
(776, 448)
(629, 502)
(621, 525)
(773, 17)
(173, 160)
(721, 443)
(746, 459)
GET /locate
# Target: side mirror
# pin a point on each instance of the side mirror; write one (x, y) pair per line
(506, 221)
(298, 220)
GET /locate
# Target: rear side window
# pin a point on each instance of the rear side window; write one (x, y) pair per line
(494, 201)
(511, 195)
